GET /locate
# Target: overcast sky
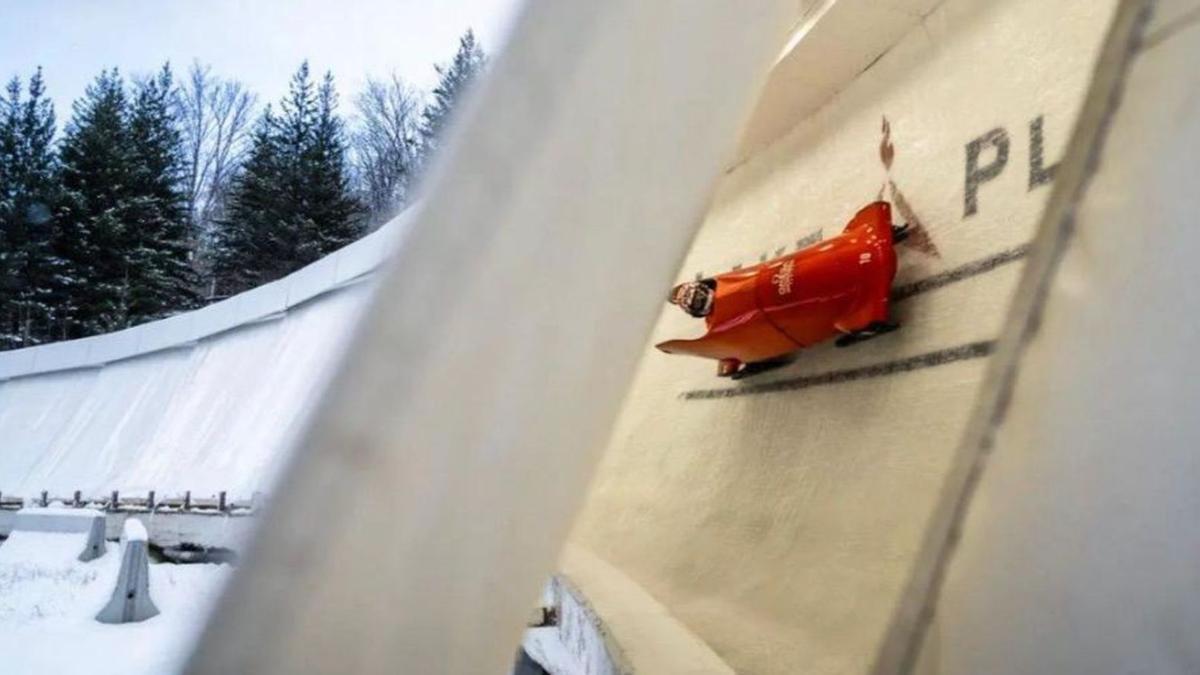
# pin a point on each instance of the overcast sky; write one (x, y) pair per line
(260, 42)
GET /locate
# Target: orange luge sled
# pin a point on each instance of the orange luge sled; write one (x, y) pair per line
(836, 287)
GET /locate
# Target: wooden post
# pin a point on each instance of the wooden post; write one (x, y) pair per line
(116, 500)
(78, 499)
(45, 499)
(221, 501)
(150, 501)
(187, 500)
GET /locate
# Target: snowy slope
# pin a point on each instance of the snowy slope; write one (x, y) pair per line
(205, 401)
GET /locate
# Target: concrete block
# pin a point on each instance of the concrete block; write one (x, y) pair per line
(356, 260)
(189, 529)
(83, 349)
(60, 356)
(66, 520)
(95, 546)
(312, 280)
(172, 331)
(365, 255)
(130, 600)
(16, 363)
(113, 346)
(262, 302)
(55, 519)
(217, 317)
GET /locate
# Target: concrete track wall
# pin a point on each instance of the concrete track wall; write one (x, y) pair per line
(1079, 543)
(205, 401)
(777, 517)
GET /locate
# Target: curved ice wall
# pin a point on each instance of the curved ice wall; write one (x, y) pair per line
(205, 401)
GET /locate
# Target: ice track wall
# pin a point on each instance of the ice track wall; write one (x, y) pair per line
(204, 401)
(778, 517)
(1078, 549)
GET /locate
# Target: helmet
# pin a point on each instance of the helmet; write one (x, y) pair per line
(694, 297)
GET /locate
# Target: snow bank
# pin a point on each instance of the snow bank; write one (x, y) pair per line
(39, 553)
(133, 531)
(48, 601)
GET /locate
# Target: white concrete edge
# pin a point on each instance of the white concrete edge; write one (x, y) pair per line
(578, 642)
(609, 625)
(846, 37)
(915, 610)
(350, 265)
(52, 519)
(809, 17)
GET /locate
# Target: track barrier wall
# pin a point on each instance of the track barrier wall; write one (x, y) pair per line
(204, 401)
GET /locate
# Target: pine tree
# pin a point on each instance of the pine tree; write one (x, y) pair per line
(291, 244)
(95, 174)
(28, 267)
(121, 221)
(241, 240)
(292, 202)
(333, 213)
(161, 280)
(9, 248)
(454, 79)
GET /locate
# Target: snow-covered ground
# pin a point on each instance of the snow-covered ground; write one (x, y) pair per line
(205, 401)
(48, 602)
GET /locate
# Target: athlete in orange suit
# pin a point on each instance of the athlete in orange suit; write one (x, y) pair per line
(757, 316)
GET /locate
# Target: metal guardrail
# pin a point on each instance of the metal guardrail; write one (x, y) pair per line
(114, 502)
